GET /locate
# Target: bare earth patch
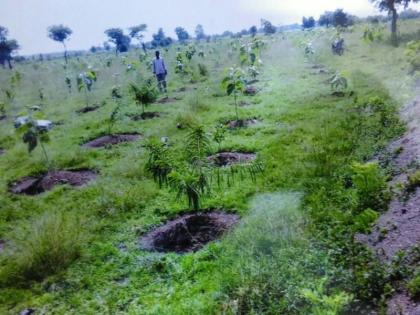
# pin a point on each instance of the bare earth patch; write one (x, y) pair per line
(109, 140)
(87, 109)
(251, 90)
(144, 116)
(241, 123)
(399, 228)
(230, 158)
(167, 100)
(36, 185)
(189, 232)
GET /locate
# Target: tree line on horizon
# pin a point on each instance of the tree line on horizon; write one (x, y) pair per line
(122, 41)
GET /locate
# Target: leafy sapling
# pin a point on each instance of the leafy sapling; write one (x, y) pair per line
(338, 83)
(117, 98)
(85, 82)
(219, 135)
(144, 95)
(234, 84)
(35, 132)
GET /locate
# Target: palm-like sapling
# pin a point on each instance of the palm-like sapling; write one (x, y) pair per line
(144, 95)
(234, 84)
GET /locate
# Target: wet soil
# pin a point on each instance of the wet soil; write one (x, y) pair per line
(145, 116)
(167, 100)
(189, 232)
(109, 140)
(251, 90)
(87, 109)
(241, 123)
(230, 158)
(36, 185)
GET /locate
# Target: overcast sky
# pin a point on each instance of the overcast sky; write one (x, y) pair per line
(27, 20)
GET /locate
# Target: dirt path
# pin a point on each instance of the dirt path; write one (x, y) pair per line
(399, 228)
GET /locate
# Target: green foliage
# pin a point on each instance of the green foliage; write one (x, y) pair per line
(43, 247)
(373, 34)
(364, 220)
(197, 144)
(413, 286)
(145, 94)
(202, 70)
(190, 52)
(117, 98)
(338, 82)
(371, 186)
(413, 181)
(413, 54)
(159, 163)
(324, 304)
(234, 83)
(85, 80)
(219, 134)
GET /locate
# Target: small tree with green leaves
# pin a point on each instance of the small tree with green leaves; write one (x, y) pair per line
(137, 32)
(116, 96)
(219, 135)
(234, 84)
(32, 135)
(85, 82)
(144, 95)
(160, 162)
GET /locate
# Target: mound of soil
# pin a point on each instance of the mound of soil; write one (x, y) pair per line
(250, 90)
(145, 115)
(338, 94)
(87, 109)
(109, 140)
(181, 89)
(188, 233)
(229, 158)
(37, 185)
(167, 100)
(241, 123)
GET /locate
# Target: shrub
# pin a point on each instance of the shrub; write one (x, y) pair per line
(413, 54)
(202, 69)
(44, 247)
(414, 287)
(371, 186)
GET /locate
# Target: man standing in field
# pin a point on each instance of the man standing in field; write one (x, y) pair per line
(159, 69)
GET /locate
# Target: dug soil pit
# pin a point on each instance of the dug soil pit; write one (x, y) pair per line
(87, 109)
(36, 185)
(144, 116)
(189, 232)
(167, 100)
(241, 123)
(230, 158)
(109, 140)
(250, 90)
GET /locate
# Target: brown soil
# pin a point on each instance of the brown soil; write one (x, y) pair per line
(37, 185)
(109, 140)
(145, 115)
(250, 90)
(167, 100)
(189, 232)
(241, 123)
(338, 94)
(401, 304)
(87, 109)
(229, 158)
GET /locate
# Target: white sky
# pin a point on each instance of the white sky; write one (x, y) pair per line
(27, 20)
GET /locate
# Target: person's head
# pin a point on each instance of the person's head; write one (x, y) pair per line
(157, 53)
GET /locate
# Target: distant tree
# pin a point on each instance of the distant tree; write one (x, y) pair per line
(182, 34)
(106, 46)
(93, 49)
(227, 34)
(136, 32)
(308, 22)
(160, 39)
(326, 19)
(244, 32)
(267, 27)
(391, 7)
(119, 39)
(409, 14)
(7, 47)
(60, 33)
(341, 18)
(199, 32)
(253, 30)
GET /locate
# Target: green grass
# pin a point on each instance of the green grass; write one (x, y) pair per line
(293, 251)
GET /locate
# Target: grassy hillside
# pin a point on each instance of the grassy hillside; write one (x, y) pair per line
(76, 250)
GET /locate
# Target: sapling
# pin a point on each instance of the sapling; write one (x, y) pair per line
(144, 95)
(338, 82)
(33, 133)
(85, 81)
(219, 135)
(113, 117)
(68, 83)
(234, 83)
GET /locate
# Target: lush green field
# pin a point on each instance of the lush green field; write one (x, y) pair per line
(76, 251)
